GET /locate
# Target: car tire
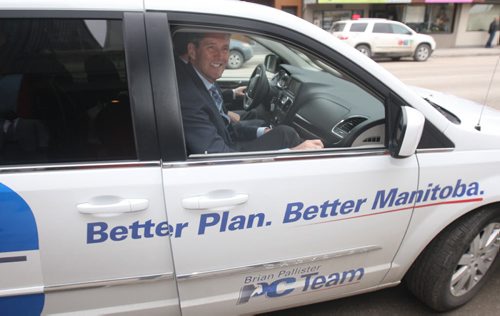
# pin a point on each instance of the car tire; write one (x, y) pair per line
(422, 53)
(235, 60)
(457, 263)
(365, 49)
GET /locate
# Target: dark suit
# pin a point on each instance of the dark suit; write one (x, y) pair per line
(205, 129)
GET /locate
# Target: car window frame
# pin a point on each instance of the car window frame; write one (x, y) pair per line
(343, 24)
(403, 30)
(365, 24)
(234, 24)
(138, 82)
(386, 25)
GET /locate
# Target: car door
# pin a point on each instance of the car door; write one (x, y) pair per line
(266, 230)
(391, 38)
(404, 36)
(83, 227)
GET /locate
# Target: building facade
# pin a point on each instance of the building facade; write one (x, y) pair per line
(452, 23)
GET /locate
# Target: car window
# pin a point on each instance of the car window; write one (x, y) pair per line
(358, 27)
(64, 91)
(337, 27)
(296, 89)
(382, 28)
(398, 29)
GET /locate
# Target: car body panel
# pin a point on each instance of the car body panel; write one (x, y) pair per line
(94, 5)
(299, 227)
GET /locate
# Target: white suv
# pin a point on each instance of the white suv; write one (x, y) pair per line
(104, 209)
(384, 38)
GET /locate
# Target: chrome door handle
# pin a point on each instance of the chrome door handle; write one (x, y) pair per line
(212, 200)
(114, 208)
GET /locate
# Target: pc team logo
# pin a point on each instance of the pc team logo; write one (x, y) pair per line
(302, 283)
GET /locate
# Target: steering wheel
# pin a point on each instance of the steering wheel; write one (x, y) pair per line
(258, 88)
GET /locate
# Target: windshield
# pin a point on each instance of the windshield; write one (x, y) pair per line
(288, 54)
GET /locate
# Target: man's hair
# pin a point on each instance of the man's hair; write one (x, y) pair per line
(196, 37)
(181, 40)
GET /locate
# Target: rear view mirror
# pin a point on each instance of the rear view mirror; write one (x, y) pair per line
(272, 63)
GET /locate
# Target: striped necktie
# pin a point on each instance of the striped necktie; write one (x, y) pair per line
(214, 92)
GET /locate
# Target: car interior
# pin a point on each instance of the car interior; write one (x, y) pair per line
(288, 86)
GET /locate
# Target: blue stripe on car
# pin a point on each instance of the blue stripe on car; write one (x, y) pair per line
(18, 231)
(25, 305)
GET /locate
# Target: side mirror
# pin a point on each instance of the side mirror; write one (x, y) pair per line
(272, 63)
(409, 127)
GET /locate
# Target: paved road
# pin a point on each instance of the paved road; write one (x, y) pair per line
(467, 77)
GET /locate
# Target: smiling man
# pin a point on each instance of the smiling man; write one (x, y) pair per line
(207, 126)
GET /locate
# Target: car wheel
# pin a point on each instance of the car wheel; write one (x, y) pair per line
(365, 49)
(235, 60)
(458, 262)
(422, 53)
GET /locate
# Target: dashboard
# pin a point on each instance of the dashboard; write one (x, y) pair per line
(320, 105)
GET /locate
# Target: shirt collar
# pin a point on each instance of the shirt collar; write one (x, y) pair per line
(207, 83)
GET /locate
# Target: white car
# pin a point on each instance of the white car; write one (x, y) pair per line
(384, 38)
(103, 211)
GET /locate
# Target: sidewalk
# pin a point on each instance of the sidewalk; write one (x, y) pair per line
(466, 51)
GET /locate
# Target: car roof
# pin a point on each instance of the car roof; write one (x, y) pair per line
(234, 8)
(368, 20)
(94, 5)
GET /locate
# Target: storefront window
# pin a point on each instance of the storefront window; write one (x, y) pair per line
(325, 19)
(481, 15)
(431, 18)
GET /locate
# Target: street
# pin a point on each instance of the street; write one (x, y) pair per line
(467, 77)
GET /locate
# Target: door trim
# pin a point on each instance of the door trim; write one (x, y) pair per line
(271, 156)
(78, 166)
(279, 264)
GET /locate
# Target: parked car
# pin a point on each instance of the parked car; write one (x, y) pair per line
(384, 38)
(103, 210)
(239, 53)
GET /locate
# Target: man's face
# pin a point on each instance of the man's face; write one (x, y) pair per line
(210, 56)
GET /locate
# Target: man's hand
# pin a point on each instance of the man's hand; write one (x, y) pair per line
(240, 91)
(309, 144)
(234, 117)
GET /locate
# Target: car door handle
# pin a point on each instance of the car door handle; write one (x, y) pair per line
(214, 200)
(114, 208)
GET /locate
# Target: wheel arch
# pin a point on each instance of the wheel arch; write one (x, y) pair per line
(365, 44)
(425, 43)
(237, 49)
(414, 243)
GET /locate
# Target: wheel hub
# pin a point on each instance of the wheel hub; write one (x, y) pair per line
(476, 260)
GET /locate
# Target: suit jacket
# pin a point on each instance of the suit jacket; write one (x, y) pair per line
(205, 130)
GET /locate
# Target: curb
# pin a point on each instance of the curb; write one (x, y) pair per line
(461, 52)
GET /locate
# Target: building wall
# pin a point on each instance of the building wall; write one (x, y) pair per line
(459, 37)
(469, 38)
(279, 4)
(321, 14)
(309, 10)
